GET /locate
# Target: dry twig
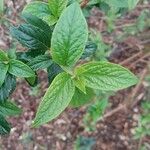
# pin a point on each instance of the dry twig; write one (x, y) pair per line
(9, 20)
(131, 58)
(141, 59)
(136, 89)
(110, 113)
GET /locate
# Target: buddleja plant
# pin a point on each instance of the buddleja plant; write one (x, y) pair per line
(56, 35)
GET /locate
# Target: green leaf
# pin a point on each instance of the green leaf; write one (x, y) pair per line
(19, 69)
(84, 143)
(11, 54)
(37, 22)
(4, 69)
(141, 23)
(146, 105)
(40, 62)
(94, 2)
(51, 20)
(145, 119)
(89, 51)
(80, 84)
(106, 76)
(8, 108)
(4, 126)
(57, 7)
(1, 6)
(95, 112)
(117, 3)
(73, 1)
(8, 87)
(3, 56)
(32, 81)
(37, 8)
(22, 56)
(53, 71)
(40, 10)
(80, 98)
(132, 4)
(69, 36)
(31, 36)
(56, 99)
(32, 53)
(37, 42)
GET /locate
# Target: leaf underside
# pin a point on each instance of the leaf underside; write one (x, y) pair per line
(4, 126)
(8, 87)
(80, 98)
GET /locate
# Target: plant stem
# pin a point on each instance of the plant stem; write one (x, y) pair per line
(140, 143)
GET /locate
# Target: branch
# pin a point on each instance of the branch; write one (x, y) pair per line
(126, 61)
(136, 89)
(121, 107)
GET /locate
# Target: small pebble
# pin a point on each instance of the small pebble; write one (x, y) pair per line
(126, 143)
(39, 137)
(135, 117)
(48, 137)
(134, 124)
(132, 131)
(126, 125)
(136, 110)
(122, 137)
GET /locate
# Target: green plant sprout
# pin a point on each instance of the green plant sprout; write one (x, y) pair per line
(143, 128)
(56, 35)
